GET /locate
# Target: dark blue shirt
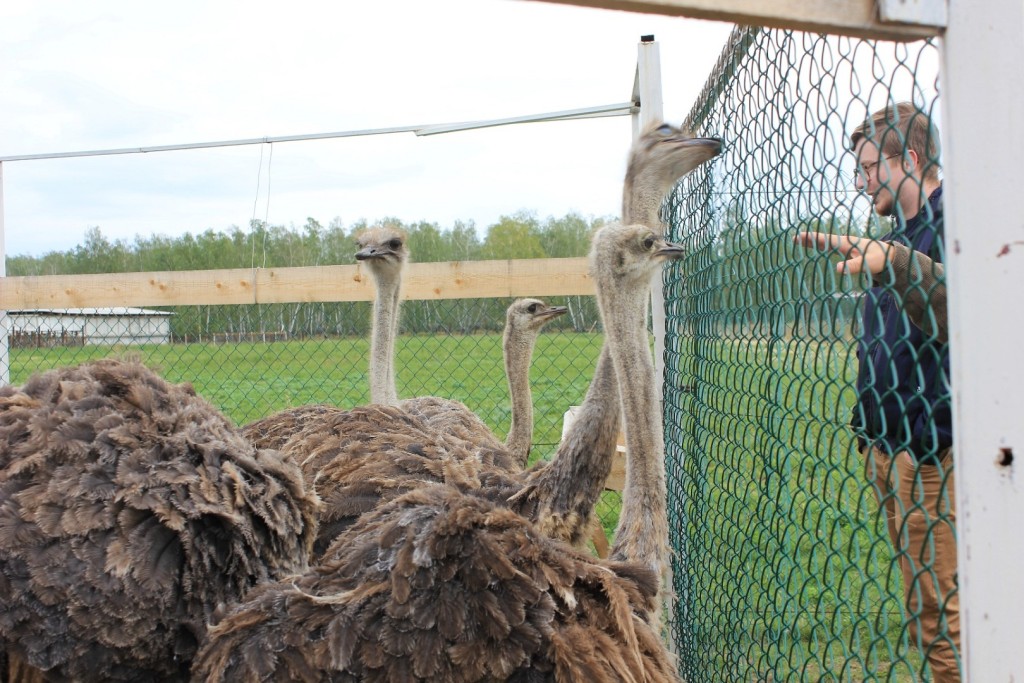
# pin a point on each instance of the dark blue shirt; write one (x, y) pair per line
(903, 392)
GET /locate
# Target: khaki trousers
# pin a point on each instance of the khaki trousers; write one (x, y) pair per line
(920, 509)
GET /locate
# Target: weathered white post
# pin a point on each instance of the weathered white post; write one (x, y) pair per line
(983, 139)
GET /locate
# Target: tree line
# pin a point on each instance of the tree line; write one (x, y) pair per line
(742, 272)
(521, 235)
(518, 236)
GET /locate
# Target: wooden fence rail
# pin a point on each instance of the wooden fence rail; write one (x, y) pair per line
(422, 281)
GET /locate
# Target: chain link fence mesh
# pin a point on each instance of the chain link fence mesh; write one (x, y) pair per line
(253, 360)
(783, 569)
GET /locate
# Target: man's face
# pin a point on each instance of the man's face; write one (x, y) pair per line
(879, 177)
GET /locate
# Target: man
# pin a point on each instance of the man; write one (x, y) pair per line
(902, 419)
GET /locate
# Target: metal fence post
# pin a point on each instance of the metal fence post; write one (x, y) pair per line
(648, 90)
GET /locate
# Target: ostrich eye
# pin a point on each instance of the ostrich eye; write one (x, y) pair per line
(648, 242)
(395, 244)
(666, 129)
(532, 308)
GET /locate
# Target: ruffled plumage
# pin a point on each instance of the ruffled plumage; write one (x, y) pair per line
(130, 510)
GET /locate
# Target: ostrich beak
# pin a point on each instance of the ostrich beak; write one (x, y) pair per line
(689, 153)
(670, 250)
(371, 253)
(714, 145)
(552, 312)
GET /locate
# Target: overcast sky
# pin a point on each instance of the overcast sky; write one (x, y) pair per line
(111, 74)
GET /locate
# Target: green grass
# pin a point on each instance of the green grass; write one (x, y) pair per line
(250, 380)
(787, 575)
(785, 563)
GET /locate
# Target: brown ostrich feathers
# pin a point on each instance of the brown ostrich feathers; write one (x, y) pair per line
(360, 458)
(130, 510)
(441, 585)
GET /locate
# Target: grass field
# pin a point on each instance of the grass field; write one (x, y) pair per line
(780, 561)
(248, 381)
(781, 555)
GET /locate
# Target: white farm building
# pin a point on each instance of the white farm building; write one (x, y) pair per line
(92, 326)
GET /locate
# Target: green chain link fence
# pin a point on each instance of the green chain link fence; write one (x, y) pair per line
(783, 567)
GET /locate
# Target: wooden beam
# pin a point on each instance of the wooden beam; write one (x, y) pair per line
(445, 280)
(857, 18)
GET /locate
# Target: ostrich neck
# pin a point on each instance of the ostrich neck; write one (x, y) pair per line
(382, 343)
(641, 201)
(642, 533)
(518, 352)
(565, 490)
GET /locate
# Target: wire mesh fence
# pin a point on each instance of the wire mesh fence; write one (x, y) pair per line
(252, 360)
(785, 568)
(785, 565)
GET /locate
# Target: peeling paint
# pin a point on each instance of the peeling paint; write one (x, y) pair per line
(1006, 248)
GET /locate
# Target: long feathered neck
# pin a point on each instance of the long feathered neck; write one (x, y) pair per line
(518, 349)
(643, 192)
(642, 533)
(382, 340)
(561, 494)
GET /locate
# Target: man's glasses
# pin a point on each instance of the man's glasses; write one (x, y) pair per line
(865, 171)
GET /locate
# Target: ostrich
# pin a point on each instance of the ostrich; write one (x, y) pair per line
(444, 583)
(623, 253)
(384, 251)
(562, 494)
(523, 322)
(358, 463)
(131, 510)
(312, 428)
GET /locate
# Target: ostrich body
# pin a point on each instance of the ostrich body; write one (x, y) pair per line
(523, 322)
(447, 583)
(130, 510)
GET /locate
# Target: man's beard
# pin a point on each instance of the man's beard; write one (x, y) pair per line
(884, 203)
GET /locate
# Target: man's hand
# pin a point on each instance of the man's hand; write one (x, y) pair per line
(862, 253)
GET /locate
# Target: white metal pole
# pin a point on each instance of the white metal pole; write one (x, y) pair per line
(5, 352)
(648, 65)
(647, 88)
(983, 136)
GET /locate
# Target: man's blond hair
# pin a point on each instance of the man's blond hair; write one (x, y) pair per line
(901, 127)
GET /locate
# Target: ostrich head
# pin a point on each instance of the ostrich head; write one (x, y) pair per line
(625, 257)
(529, 315)
(383, 248)
(657, 160)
